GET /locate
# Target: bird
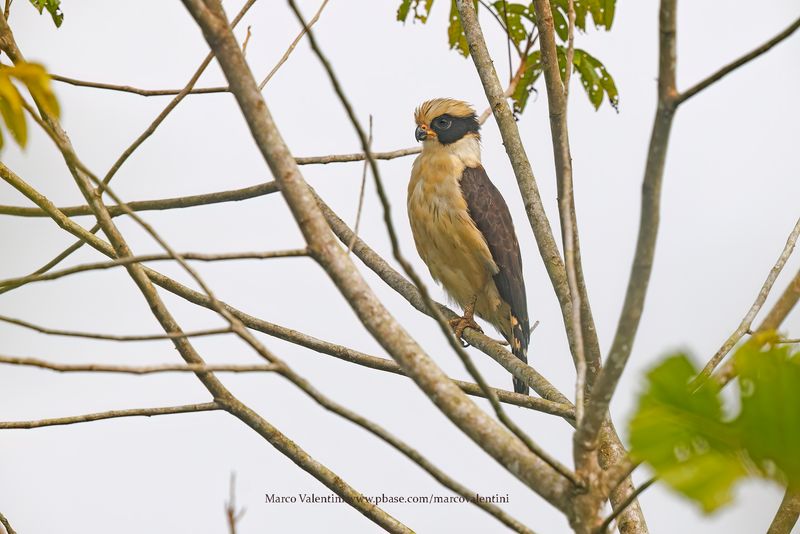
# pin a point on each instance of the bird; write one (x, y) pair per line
(462, 226)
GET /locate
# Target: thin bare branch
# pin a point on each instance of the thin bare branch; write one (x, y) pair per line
(9, 283)
(173, 103)
(362, 189)
(747, 321)
(779, 311)
(787, 514)
(135, 90)
(727, 69)
(292, 46)
(3, 521)
(112, 337)
(139, 370)
(112, 414)
(246, 40)
(603, 528)
(631, 314)
(232, 514)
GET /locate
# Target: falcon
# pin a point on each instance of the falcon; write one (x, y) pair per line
(462, 227)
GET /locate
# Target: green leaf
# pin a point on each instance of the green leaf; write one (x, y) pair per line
(402, 11)
(53, 7)
(405, 7)
(11, 109)
(608, 13)
(595, 79)
(455, 33)
(560, 25)
(533, 69)
(682, 435)
(512, 19)
(769, 421)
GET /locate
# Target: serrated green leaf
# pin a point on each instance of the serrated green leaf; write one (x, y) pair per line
(53, 7)
(533, 69)
(596, 9)
(11, 109)
(405, 8)
(455, 32)
(769, 421)
(682, 435)
(402, 11)
(580, 14)
(609, 7)
(595, 79)
(560, 25)
(512, 19)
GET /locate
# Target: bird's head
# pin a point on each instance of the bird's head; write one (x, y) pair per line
(445, 121)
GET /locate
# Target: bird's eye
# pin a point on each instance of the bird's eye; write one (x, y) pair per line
(443, 123)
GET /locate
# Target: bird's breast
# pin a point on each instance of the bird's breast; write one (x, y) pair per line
(445, 235)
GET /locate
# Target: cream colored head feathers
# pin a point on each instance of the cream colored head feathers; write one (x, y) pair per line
(427, 111)
(445, 122)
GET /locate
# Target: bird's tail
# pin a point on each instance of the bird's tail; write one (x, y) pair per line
(519, 348)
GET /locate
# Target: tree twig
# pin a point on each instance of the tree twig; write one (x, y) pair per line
(112, 337)
(141, 369)
(603, 528)
(3, 521)
(10, 283)
(787, 514)
(772, 321)
(727, 69)
(112, 414)
(361, 191)
(313, 20)
(747, 321)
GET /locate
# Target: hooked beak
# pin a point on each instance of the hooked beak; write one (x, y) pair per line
(420, 134)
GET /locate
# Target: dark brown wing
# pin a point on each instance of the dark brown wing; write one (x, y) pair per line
(489, 211)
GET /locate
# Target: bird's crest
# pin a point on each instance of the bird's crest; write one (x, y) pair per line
(427, 111)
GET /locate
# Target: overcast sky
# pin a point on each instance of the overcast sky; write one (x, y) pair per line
(730, 199)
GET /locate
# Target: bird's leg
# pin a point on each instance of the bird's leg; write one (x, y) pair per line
(465, 321)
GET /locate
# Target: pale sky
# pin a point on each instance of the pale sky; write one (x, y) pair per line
(730, 199)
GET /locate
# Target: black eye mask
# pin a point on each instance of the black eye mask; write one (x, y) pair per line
(450, 129)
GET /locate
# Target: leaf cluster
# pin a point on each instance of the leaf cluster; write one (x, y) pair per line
(53, 7)
(518, 21)
(682, 431)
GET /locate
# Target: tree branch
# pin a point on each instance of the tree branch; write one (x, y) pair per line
(10, 283)
(139, 370)
(603, 528)
(727, 69)
(772, 321)
(111, 337)
(3, 521)
(787, 514)
(620, 351)
(113, 414)
(747, 321)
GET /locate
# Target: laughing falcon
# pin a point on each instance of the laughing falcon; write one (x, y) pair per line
(462, 227)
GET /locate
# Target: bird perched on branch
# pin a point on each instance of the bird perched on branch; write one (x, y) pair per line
(462, 227)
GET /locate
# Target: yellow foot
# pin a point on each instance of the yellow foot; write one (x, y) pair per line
(459, 324)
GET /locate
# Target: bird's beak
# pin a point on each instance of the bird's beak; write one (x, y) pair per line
(421, 133)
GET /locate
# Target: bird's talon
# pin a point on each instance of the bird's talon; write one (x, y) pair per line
(460, 324)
